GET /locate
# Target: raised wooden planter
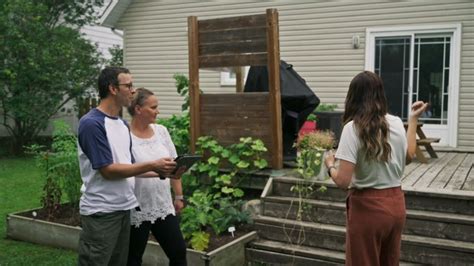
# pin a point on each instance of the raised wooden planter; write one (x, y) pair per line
(64, 236)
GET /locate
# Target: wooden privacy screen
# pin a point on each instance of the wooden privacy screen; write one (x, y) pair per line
(235, 42)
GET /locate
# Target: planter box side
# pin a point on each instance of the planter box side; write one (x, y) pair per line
(42, 232)
(233, 253)
(67, 237)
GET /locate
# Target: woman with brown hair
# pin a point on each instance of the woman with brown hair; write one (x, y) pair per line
(372, 154)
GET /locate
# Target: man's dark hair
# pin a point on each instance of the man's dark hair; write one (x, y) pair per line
(109, 76)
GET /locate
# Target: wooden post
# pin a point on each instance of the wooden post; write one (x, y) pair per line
(239, 79)
(273, 51)
(193, 56)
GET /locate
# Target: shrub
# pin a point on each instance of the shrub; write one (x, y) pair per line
(60, 166)
(217, 206)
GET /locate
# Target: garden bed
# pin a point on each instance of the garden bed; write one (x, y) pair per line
(63, 232)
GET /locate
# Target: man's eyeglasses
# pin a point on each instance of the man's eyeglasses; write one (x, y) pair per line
(128, 85)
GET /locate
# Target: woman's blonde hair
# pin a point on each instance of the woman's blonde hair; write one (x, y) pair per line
(139, 97)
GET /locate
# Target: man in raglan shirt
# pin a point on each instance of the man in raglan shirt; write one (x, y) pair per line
(107, 171)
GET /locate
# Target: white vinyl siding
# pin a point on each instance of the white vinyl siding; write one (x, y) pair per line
(315, 37)
(104, 37)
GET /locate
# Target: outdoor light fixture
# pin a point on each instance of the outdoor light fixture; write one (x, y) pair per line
(355, 41)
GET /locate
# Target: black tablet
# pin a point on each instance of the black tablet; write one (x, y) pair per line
(186, 160)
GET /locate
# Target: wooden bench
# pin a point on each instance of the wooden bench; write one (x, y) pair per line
(425, 142)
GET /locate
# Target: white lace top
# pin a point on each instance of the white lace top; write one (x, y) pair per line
(153, 194)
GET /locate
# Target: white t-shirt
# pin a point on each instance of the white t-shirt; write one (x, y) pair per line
(153, 194)
(375, 174)
(104, 140)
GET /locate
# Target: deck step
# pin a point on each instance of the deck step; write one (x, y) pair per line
(277, 253)
(424, 223)
(461, 202)
(417, 249)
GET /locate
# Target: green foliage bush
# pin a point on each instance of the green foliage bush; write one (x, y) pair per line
(215, 206)
(218, 205)
(326, 107)
(44, 62)
(60, 167)
(178, 125)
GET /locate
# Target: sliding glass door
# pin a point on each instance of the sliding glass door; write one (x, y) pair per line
(430, 74)
(418, 66)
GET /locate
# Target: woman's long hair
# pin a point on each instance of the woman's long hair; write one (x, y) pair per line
(366, 105)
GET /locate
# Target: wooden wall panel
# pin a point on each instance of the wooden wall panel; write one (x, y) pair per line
(228, 117)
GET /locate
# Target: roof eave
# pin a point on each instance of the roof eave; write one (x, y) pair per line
(113, 12)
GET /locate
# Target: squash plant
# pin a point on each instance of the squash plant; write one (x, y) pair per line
(217, 206)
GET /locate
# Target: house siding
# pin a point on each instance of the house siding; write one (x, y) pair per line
(315, 37)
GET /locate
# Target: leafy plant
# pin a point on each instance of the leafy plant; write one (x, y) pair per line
(316, 140)
(178, 125)
(60, 167)
(217, 205)
(182, 86)
(326, 107)
(64, 162)
(117, 56)
(311, 117)
(311, 147)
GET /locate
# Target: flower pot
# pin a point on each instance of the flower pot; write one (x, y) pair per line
(308, 126)
(323, 171)
(64, 236)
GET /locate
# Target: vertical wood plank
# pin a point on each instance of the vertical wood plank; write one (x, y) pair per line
(239, 79)
(273, 51)
(193, 57)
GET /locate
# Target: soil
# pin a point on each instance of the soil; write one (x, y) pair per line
(68, 216)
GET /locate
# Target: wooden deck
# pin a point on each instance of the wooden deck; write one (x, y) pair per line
(452, 172)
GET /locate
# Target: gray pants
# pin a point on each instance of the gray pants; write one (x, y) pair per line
(104, 239)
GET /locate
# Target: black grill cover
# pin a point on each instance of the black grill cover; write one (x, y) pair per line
(297, 100)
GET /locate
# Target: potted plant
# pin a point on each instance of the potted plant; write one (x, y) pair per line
(311, 151)
(309, 125)
(311, 148)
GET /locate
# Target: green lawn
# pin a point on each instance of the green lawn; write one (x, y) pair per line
(20, 189)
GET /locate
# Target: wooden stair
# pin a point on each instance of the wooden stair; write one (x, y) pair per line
(439, 228)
